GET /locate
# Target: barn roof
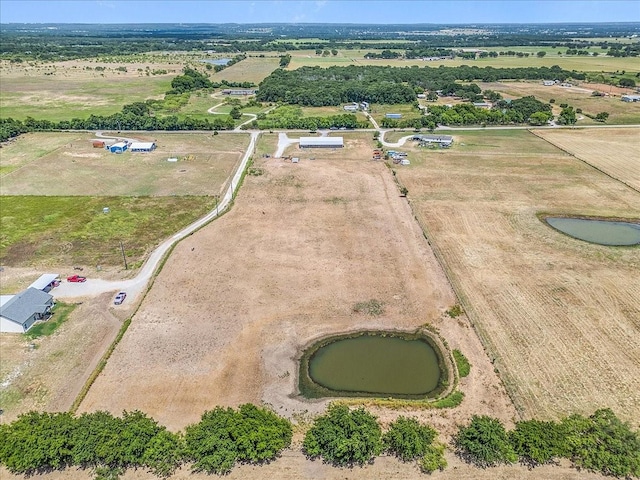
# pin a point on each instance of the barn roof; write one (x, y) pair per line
(324, 141)
(44, 280)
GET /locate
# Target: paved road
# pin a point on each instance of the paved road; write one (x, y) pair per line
(136, 285)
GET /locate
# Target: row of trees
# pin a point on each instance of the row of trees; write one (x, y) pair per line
(315, 86)
(39, 442)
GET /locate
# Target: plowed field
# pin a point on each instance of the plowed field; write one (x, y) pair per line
(559, 317)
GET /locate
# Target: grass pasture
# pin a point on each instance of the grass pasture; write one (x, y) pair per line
(66, 90)
(251, 69)
(557, 316)
(39, 230)
(205, 162)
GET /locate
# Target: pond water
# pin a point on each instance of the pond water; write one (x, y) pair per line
(602, 232)
(217, 61)
(374, 364)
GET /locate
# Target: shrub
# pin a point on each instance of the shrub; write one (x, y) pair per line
(407, 439)
(484, 442)
(433, 458)
(464, 367)
(343, 437)
(455, 311)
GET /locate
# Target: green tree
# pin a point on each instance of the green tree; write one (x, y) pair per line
(627, 82)
(235, 113)
(484, 442)
(407, 439)
(334, 52)
(540, 118)
(433, 458)
(343, 437)
(603, 443)
(602, 117)
(536, 442)
(567, 116)
(541, 53)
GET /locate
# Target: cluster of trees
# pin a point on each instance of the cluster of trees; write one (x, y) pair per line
(346, 437)
(522, 110)
(600, 442)
(38, 442)
(288, 116)
(315, 86)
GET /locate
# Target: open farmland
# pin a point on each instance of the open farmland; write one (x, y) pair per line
(74, 89)
(238, 299)
(251, 69)
(559, 317)
(595, 148)
(205, 161)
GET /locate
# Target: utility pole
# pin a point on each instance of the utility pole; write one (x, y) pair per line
(124, 257)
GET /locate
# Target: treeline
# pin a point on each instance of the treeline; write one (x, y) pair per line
(41, 442)
(315, 86)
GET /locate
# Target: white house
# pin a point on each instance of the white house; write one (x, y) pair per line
(321, 142)
(630, 98)
(20, 312)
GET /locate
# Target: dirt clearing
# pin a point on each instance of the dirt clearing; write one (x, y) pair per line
(235, 302)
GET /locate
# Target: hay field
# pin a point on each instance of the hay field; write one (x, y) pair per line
(251, 69)
(205, 162)
(594, 146)
(559, 317)
(226, 317)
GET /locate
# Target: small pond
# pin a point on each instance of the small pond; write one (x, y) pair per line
(217, 61)
(378, 364)
(602, 232)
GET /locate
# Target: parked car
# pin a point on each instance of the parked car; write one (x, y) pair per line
(119, 298)
(76, 278)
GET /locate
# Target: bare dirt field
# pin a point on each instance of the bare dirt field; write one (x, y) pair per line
(236, 301)
(595, 148)
(205, 162)
(559, 317)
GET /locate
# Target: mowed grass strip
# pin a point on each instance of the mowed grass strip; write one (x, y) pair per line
(74, 230)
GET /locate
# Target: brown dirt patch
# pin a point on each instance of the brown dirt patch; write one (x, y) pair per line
(303, 244)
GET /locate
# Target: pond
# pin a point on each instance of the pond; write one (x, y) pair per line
(602, 232)
(379, 364)
(218, 61)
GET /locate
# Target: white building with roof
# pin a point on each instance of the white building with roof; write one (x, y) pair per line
(46, 282)
(21, 311)
(142, 146)
(321, 142)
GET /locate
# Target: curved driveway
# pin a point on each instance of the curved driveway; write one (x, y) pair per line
(136, 285)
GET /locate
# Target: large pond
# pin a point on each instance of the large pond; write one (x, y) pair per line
(218, 61)
(602, 232)
(373, 364)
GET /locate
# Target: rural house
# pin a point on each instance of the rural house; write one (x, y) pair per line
(21, 311)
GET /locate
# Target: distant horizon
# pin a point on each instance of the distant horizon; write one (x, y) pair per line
(303, 12)
(321, 23)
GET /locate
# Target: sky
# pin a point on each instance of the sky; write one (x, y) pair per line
(320, 11)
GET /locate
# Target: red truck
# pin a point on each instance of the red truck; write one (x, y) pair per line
(76, 278)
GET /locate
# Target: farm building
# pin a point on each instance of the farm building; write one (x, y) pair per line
(364, 105)
(351, 108)
(21, 311)
(548, 83)
(98, 144)
(46, 282)
(630, 98)
(393, 115)
(119, 147)
(321, 142)
(231, 91)
(482, 105)
(142, 146)
(442, 140)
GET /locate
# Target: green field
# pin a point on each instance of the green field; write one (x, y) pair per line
(252, 69)
(75, 231)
